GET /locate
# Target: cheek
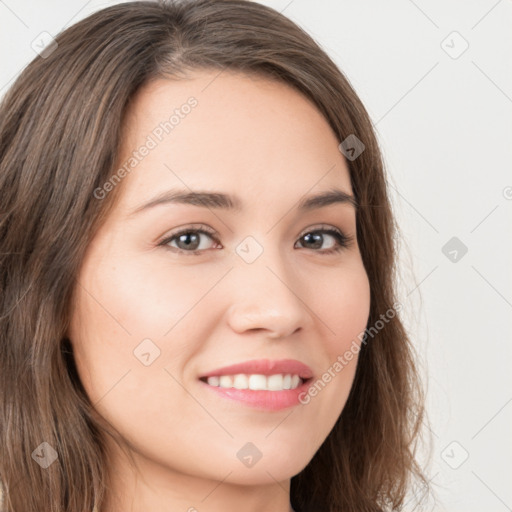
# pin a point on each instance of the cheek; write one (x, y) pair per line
(145, 298)
(118, 332)
(128, 309)
(125, 304)
(345, 307)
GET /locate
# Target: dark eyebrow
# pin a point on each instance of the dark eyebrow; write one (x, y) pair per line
(199, 198)
(327, 198)
(223, 201)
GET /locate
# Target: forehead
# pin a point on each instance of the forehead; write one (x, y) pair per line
(246, 135)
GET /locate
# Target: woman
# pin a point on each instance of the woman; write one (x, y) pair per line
(197, 264)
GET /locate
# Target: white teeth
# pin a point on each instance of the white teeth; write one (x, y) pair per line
(276, 382)
(257, 382)
(213, 381)
(226, 381)
(240, 381)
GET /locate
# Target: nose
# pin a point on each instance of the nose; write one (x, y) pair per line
(267, 296)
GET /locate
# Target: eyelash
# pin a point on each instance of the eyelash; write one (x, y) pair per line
(342, 240)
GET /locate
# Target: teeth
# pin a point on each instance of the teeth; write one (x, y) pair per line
(226, 381)
(276, 382)
(240, 381)
(257, 382)
(213, 381)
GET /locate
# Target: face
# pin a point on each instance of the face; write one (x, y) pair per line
(173, 290)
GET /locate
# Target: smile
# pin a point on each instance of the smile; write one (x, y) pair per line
(276, 382)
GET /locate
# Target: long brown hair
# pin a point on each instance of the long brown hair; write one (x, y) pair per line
(60, 133)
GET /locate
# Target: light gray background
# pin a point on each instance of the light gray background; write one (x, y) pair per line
(444, 122)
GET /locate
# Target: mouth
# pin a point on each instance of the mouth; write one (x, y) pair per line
(261, 384)
(256, 382)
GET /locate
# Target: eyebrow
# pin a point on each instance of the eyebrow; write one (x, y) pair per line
(219, 200)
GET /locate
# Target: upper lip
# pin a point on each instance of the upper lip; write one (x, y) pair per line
(265, 367)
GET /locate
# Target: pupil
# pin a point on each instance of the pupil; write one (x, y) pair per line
(316, 238)
(185, 239)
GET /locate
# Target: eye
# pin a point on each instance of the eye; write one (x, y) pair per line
(195, 240)
(191, 240)
(336, 239)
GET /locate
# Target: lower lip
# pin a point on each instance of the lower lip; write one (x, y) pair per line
(263, 399)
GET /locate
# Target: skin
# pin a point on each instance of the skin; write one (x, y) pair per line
(267, 144)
